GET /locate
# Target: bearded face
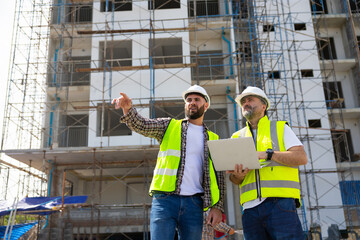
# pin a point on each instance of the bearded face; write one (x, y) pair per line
(252, 107)
(248, 112)
(194, 112)
(195, 106)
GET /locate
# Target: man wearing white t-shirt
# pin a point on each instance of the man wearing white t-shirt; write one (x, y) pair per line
(184, 181)
(269, 195)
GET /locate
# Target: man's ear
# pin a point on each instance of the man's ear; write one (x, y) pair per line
(264, 107)
(206, 106)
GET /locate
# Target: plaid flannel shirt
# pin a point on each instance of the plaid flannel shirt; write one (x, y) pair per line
(156, 128)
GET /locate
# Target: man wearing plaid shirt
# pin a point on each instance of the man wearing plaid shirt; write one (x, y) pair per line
(184, 180)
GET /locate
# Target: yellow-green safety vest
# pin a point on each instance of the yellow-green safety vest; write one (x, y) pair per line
(276, 180)
(168, 161)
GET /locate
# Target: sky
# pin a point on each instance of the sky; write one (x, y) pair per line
(6, 21)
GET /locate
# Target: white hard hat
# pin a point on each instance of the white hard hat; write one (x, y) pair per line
(196, 89)
(253, 91)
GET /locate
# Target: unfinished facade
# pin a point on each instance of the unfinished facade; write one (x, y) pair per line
(71, 58)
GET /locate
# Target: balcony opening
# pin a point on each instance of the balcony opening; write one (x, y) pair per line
(116, 5)
(169, 108)
(117, 53)
(204, 8)
(326, 48)
(343, 146)
(210, 65)
(79, 13)
(307, 73)
(79, 78)
(74, 130)
(274, 74)
(300, 26)
(112, 126)
(355, 6)
(163, 4)
(165, 50)
(318, 6)
(314, 123)
(68, 73)
(268, 28)
(333, 95)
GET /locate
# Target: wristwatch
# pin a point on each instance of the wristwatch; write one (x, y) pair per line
(269, 153)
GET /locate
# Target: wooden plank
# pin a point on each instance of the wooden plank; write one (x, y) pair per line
(129, 68)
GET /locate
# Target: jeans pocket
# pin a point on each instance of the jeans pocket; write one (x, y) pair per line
(197, 201)
(160, 196)
(286, 204)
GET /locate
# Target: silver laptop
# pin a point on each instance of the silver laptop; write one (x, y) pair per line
(225, 153)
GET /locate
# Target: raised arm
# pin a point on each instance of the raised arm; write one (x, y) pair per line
(154, 128)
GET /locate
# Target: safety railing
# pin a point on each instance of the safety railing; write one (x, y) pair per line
(204, 8)
(210, 66)
(74, 136)
(68, 75)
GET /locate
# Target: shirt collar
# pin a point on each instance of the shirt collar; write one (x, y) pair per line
(186, 120)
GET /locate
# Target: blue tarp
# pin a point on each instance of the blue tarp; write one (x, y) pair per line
(39, 203)
(350, 192)
(17, 230)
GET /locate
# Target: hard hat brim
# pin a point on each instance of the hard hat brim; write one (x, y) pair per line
(187, 92)
(241, 96)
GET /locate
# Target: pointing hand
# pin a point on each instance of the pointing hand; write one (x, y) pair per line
(123, 102)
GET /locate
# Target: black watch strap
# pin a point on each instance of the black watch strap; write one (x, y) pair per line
(269, 152)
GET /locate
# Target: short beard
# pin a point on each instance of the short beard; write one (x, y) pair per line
(199, 113)
(249, 114)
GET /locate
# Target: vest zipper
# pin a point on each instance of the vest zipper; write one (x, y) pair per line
(258, 186)
(257, 173)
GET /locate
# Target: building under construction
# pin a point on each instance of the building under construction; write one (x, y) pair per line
(70, 58)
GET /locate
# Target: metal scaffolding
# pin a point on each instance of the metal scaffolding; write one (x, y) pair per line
(70, 58)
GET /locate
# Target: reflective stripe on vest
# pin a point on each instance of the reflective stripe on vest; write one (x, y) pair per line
(169, 152)
(276, 180)
(271, 184)
(165, 172)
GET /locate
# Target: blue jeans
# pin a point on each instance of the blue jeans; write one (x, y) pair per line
(171, 212)
(275, 219)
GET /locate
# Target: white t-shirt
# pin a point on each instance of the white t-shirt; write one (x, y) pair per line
(194, 161)
(290, 140)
